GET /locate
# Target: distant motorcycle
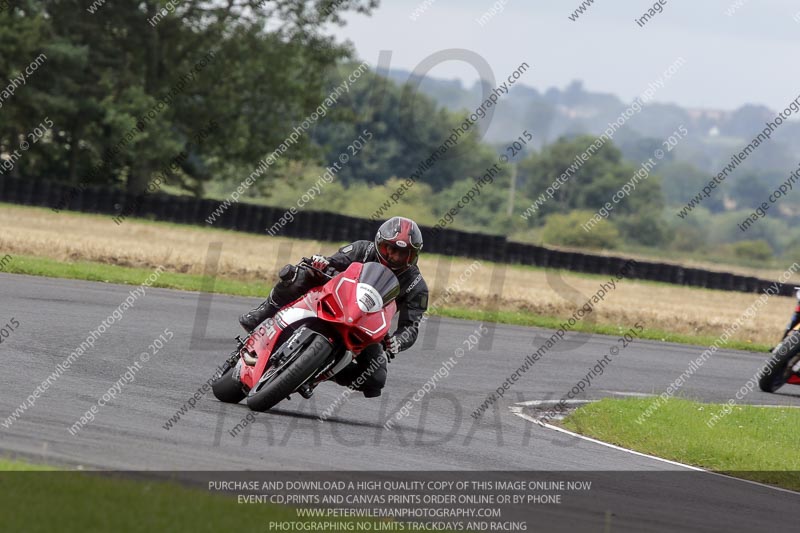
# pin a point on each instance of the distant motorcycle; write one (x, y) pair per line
(311, 339)
(784, 365)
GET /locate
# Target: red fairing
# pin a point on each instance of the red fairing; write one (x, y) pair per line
(794, 380)
(337, 304)
(334, 302)
(260, 343)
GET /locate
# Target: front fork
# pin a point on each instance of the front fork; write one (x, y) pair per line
(793, 323)
(795, 317)
(233, 358)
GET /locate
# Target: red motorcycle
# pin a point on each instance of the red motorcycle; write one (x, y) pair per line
(311, 339)
(784, 365)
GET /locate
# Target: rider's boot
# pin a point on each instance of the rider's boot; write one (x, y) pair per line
(251, 320)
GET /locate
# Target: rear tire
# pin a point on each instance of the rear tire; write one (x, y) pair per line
(306, 365)
(227, 389)
(777, 376)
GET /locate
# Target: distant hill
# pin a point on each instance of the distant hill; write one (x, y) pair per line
(714, 135)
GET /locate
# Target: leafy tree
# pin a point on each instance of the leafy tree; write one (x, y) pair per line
(565, 229)
(107, 69)
(749, 191)
(691, 234)
(485, 212)
(646, 229)
(681, 181)
(594, 182)
(407, 128)
(688, 239)
(757, 250)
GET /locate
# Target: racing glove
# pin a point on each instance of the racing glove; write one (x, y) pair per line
(391, 345)
(320, 262)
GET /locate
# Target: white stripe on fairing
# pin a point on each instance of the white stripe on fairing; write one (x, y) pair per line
(293, 314)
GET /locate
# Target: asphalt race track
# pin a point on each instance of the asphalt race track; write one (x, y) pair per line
(128, 433)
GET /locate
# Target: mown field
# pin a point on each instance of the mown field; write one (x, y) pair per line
(248, 262)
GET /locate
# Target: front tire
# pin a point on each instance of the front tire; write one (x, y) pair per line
(313, 357)
(227, 389)
(775, 376)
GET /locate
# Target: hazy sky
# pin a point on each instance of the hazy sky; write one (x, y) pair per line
(749, 57)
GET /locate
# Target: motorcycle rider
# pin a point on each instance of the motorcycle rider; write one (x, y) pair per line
(795, 317)
(397, 245)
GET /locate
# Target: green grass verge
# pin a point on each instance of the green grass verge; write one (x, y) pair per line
(85, 270)
(751, 442)
(91, 271)
(36, 500)
(79, 502)
(40, 499)
(10, 465)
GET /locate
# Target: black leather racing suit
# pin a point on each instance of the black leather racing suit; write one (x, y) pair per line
(412, 302)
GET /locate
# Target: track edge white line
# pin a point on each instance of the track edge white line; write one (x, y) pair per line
(634, 452)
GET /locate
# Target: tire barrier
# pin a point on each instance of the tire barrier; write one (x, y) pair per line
(333, 227)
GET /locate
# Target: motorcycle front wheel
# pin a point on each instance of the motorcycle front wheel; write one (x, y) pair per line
(287, 379)
(785, 355)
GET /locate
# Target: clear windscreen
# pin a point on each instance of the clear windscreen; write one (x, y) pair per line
(382, 280)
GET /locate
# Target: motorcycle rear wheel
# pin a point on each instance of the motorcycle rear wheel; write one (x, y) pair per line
(776, 377)
(295, 374)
